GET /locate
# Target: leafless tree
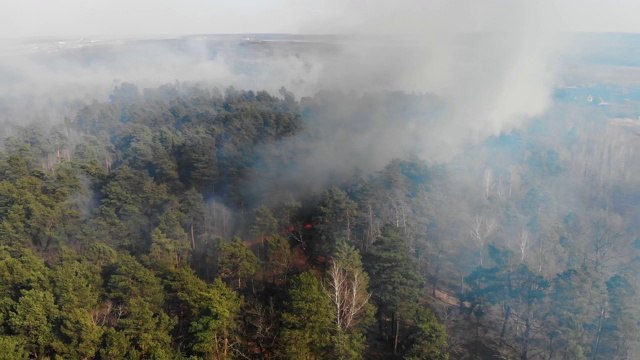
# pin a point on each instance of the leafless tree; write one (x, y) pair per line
(502, 190)
(400, 210)
(347, 290)
(514, 180)
(480, 230)
(524, 243)
(260, 322)
(488, 182)
(607, 232)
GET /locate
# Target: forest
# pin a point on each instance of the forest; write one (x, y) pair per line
(185, 222)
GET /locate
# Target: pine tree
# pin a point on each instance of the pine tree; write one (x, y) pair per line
(395, 282)
(306, 320)
(236, 262)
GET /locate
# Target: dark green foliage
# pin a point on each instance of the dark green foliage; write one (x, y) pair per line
(395, 283)
(127, 279)
(264, 223)
(115, 345)
(191, 138)
(428, 340)
(101, 219)
(279, 257)
(120, 237)
(306, 320)
(79, 336)
(394, 278)
(336, 218)
(76, 285)
(237, 263)
(147, 329)
(32, 318)
(12, 348)
(215, 324)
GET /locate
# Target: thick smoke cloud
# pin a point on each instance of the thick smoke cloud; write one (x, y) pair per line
(491, 66)
(489, 63)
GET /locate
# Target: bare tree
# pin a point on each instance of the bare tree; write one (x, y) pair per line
(372, 231)
(502, 190)
(480, 230)
(347, 286)
(607, 233)
(524, 243)
(261, 325)
(400, 209)
(488, 182)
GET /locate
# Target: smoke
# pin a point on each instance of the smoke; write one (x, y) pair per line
(491, 62)
(477, 68)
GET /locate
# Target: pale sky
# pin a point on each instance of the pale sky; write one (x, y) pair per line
(72, 18)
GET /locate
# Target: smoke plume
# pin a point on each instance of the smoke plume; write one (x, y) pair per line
(475, 68)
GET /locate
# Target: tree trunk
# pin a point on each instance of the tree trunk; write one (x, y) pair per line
(525, 340)
(395, 337)
(477, 336)
(348, 227)
(599, 331)
(393, 326)
(370, 237)
(551, 350)
(504, 323)
(193, 239)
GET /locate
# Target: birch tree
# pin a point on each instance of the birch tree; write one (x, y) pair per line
(488, 182)
(524, 242)
(347, 285)
(480, 230)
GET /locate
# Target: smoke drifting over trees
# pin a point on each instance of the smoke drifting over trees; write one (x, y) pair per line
(492, 68)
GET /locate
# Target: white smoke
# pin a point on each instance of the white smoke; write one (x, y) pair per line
(491, 64)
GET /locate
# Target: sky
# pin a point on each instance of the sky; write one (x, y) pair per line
(117, 18)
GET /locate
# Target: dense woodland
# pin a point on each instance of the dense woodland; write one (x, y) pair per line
(133, 230)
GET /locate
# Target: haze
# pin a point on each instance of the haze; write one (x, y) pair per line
(492, 64)
(71, 18)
